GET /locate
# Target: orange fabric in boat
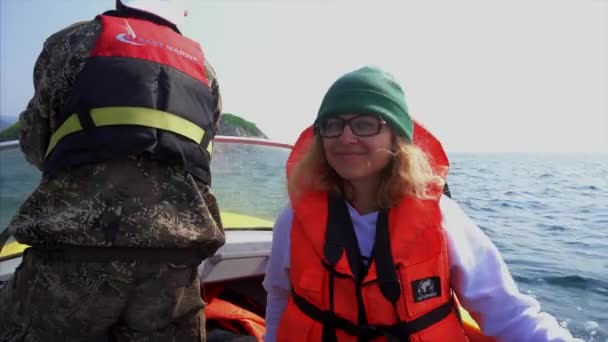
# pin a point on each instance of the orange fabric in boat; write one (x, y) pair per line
(231, 317)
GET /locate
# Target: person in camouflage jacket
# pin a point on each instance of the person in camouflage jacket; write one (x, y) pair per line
(129, 204)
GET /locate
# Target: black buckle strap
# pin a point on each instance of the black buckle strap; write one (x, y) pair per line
(329, 318)
(86, 121)
(401, 331)
(83, 112)
(332, 271)
(432, 317)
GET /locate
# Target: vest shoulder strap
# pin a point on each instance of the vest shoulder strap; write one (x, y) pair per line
(340, 235)
(385, 264)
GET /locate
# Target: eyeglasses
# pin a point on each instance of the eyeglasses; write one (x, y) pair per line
(361, 125)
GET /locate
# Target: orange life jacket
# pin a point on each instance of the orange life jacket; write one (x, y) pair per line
(404, 295)
(235, 318)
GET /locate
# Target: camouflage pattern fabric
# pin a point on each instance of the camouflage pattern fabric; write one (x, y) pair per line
(55, 300)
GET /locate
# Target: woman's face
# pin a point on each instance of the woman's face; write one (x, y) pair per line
(353, 156)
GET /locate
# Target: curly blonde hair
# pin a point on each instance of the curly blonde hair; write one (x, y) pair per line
(409, 173)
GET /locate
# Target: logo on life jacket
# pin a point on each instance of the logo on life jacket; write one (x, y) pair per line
(426, 288)
(130, 37)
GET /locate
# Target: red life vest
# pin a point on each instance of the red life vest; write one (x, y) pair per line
(143, 89)
(405, 292)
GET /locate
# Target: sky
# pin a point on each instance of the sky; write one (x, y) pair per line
(483, 76)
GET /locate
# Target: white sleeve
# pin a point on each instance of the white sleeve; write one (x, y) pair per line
(276, 281)
(486, 289)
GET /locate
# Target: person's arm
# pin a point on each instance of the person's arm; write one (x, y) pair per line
(276, 282)
(34, 126)
(484, 286)
(215, 94)
(57, 67)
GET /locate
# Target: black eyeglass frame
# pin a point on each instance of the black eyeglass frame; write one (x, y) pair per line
(344, 122)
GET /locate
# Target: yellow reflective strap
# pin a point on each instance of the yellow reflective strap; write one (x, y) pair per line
(69, 126)
(12, 248)
(109, 116)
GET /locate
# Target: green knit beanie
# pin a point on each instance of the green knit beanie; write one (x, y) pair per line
(369, 90)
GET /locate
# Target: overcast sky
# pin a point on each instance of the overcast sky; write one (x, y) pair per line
(518, 75)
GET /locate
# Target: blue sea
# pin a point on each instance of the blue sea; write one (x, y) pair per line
(546, 213)
(548, 216)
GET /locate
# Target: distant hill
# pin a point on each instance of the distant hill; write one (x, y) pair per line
(233, 125)
(6, 121)
(230, 124)
(10, 133)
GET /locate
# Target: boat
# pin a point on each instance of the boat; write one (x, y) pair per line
(249, 182)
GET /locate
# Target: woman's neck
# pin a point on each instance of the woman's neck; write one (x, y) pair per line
(363, 198)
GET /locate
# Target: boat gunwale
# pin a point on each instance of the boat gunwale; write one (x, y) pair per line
(13, 144)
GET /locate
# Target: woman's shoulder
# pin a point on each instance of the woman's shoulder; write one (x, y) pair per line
(282, 225)
(451, 212)
(457, 224)
(285, 216)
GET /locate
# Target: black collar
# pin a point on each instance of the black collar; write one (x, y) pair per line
(126, 12)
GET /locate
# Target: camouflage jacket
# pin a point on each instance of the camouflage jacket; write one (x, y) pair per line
(134, 202)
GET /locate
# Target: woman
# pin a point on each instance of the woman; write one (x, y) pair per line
(370, 249)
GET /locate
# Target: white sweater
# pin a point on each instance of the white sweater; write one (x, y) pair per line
(478, 275)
